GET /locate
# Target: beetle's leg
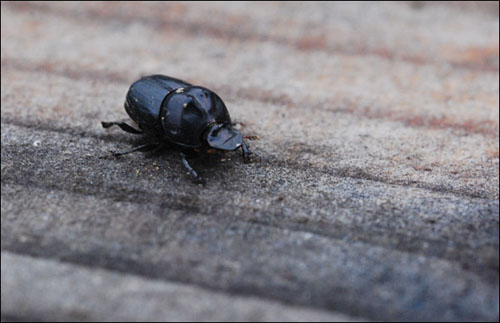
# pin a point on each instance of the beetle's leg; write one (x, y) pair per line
(245, 152)
(123, 125)
(197, 177)
(145, 147)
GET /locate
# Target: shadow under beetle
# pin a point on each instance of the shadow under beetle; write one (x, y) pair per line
(171, 111)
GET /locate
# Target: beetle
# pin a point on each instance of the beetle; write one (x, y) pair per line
(188, 117)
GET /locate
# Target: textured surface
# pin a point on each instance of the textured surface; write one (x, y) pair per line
(46, 289)
(373, 191)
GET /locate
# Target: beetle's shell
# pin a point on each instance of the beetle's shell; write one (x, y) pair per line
(174, 109)
(144, 99)
(187, 113)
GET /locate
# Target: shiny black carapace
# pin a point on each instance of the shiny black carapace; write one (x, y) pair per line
(171, 111)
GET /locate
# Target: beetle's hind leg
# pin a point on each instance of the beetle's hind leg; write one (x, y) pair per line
(123, 125)
(198, 179)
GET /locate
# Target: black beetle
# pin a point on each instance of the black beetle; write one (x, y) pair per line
(171, 111)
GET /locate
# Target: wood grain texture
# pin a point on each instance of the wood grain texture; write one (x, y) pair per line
(373, 191)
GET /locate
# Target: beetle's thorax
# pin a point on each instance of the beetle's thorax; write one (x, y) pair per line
(187, 113)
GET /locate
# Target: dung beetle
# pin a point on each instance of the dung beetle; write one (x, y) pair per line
(175, 112)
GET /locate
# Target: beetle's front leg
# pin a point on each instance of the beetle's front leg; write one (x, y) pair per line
(245, 152)
(198, 179)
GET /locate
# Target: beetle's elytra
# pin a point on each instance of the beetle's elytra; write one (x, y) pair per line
(171, 111)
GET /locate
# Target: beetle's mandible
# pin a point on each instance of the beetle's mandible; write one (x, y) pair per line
(188, 117)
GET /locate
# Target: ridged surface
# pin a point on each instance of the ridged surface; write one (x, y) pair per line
(373, 191)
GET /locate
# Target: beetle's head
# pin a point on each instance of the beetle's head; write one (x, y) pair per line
(224, 137)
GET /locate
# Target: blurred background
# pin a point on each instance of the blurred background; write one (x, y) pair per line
(373, 191)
